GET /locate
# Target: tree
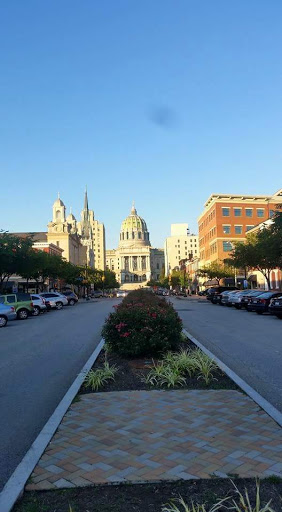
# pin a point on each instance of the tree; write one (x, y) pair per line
(216, 271)
(262, 250)
(14, 255)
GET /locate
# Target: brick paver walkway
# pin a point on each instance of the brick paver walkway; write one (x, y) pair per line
(148, 436)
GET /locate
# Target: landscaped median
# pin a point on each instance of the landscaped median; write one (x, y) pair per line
(156, 411)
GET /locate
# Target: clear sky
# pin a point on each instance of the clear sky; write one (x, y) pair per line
(160, 101)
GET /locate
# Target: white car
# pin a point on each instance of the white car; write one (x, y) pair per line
(39, 304)
(122, 293)
(54, 300)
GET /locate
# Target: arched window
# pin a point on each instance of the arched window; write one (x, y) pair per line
(133, 235)
(127, 235)
(144, 277)
(135, 278)
(139, 235)
(58, 214)
(126, 278)
(123, 236)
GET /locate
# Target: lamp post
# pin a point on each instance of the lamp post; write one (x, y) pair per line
(103, 281)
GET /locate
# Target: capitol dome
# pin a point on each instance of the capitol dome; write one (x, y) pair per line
(134, 230)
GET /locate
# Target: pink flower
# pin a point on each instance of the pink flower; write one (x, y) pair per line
(154, 315)
(125, 334)
(120, 326)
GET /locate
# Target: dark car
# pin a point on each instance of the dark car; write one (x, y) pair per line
(214, 291)
(71, 296)
(260, 303)
(246, 300)
(275, 306)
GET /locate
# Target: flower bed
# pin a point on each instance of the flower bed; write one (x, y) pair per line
(148, 497)
(133, 374)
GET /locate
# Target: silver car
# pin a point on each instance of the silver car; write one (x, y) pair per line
(7, 313)
(54, 300)
(39, 305)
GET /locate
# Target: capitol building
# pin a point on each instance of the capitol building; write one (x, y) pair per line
(134, 262)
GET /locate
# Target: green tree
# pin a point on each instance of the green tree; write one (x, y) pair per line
(216, 271)
(14, 255)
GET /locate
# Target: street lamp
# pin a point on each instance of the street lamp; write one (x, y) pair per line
(103, 281)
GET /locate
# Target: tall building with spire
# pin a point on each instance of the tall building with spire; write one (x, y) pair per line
(92, 234)
(83, 242)
(135, 262)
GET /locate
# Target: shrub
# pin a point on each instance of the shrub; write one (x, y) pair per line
(143, 324)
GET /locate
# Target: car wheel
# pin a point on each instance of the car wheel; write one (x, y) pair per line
(36, 311)
(22, 314)
(72, 302)
(3, 321)
(59, 305)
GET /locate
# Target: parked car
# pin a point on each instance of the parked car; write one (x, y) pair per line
(230, 298)
(21, 302)
(224, 297)
(261, 303)
(238, 297)
(247, 302)
(6, 313)
(122, 293)
(71, 296)
(247, 297)
(97, 294)
(216, 290)
(54, 300)
(275, 306)
(39, 304)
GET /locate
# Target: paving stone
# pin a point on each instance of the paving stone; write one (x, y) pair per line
(159, 435)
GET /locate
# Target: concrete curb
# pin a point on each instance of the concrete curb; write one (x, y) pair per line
(262, 402)
(15, 485)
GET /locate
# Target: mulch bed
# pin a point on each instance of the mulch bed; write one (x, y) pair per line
(131, 372)
(146, 497)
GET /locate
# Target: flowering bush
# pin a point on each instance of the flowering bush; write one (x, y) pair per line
(143, 324)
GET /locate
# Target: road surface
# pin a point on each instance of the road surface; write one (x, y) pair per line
(39, 360)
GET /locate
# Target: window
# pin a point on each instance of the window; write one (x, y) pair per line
(227, 246)
(260, 212)
(226, 230)
(225, 212)
(237, 212)
(139, 235)
(249, 212)
(249, 227)
(238, 230)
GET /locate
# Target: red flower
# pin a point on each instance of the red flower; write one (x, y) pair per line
(125, 334)
(120, 326)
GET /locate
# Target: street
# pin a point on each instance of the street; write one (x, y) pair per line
(39, 360)
(250, 344)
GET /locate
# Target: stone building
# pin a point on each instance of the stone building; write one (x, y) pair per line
(82, 242)
(135, 262)
(62, 232)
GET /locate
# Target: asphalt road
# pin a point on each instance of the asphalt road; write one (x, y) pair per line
(39, 360)
(250, 344)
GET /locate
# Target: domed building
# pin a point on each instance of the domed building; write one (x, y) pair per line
(135, 262)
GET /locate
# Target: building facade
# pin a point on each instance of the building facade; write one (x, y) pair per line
(228, 218)
(83, 242)
(179, 246)
(134, 262)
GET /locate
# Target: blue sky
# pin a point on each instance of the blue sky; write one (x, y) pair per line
(163, 102)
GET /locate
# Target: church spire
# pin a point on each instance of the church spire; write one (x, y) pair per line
(86, 200)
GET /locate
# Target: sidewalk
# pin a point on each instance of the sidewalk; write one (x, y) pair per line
(137, 436)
